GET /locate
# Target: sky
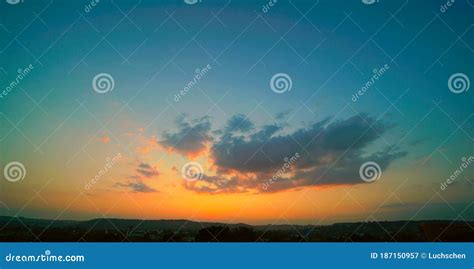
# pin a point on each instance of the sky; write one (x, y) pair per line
(237, 111)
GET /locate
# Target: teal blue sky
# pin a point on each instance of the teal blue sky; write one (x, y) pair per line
(328, 48)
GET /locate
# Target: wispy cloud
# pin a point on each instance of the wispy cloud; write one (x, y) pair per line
(146, 170)
(137, 187)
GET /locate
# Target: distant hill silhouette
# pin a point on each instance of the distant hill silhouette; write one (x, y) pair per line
(19, 229)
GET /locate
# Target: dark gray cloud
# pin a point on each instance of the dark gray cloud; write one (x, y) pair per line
(340, 171)
(190, 138)
(240, 123)
(146, 170)
(330, 152)
(137, 186)
(264, 150)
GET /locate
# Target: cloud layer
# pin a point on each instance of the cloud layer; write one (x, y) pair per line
(189, 138)
(137, 187)
(330, 152)
(146, 170)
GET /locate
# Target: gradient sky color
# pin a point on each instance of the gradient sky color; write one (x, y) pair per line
(231, 122)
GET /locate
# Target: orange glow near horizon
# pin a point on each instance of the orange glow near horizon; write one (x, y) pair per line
(168, 197)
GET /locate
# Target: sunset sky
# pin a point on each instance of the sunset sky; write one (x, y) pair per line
(230, 122)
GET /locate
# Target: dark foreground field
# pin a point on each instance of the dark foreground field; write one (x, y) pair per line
(18, 229)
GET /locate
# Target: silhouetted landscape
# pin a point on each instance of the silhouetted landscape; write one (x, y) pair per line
(19, 229)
